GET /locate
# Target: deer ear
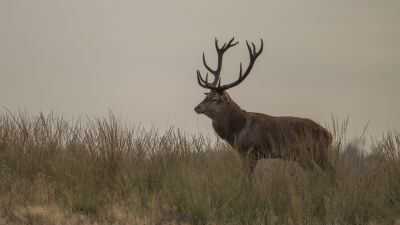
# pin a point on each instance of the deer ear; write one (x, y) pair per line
(225, 98)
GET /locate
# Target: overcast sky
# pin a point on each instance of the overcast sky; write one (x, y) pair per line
(138, 58)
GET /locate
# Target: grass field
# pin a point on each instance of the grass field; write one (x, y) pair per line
(102, 171)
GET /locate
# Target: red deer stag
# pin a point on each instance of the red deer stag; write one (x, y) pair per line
(257, 135)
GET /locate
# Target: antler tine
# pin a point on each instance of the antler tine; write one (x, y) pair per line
(216, 44)
(223, 46)
(230, 44)
(207, 67)
(240, 70)
(204, 83)
(249, 48)
(200, 79)
(213, 72)
(261, 48)
(254, 48)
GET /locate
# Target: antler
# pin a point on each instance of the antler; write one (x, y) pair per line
(213, 86)
(220, 52)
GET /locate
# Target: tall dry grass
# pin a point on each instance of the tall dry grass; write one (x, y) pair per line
(101, 171)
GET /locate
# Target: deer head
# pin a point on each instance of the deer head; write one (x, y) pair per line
(217, 101)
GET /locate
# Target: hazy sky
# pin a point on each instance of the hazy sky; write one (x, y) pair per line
(138, 58)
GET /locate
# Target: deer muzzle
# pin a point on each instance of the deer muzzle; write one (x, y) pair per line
(198, 109)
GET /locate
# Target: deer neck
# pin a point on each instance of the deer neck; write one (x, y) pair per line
(229, 122)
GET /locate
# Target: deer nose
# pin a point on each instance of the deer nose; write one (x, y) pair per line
(197, 109)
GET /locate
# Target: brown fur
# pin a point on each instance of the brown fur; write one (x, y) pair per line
(257, 135)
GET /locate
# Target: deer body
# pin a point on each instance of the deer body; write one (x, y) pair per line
(257, 135)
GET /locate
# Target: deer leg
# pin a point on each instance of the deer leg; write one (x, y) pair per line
(325, 163)
(250, 160)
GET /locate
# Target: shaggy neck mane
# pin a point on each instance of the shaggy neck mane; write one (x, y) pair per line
(229, 122)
